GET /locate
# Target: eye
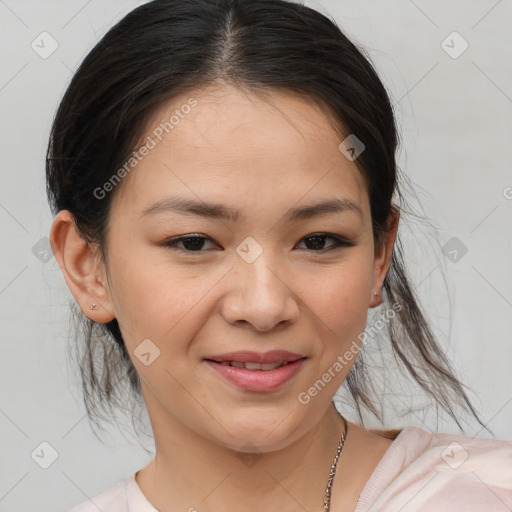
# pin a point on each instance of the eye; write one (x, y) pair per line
(317, 240)
(192, 242)
(195, 242)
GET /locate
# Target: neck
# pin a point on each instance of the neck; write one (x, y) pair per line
(191, 472)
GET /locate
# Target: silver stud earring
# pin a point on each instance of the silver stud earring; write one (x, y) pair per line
(93, 306)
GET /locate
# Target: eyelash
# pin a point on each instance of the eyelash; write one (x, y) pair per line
(339, 242)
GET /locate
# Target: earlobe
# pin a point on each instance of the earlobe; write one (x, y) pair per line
(376, 299)
(79, 263)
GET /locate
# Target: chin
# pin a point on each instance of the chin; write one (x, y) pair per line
(258, 431)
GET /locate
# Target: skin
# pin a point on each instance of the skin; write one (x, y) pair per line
(261, 157)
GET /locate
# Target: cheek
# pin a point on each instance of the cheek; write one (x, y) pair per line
(158, 300)
(147, 299)
(340, 298)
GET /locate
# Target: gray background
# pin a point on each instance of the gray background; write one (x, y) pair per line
(455, 118)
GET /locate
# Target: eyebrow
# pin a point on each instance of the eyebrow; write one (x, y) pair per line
(219, 211)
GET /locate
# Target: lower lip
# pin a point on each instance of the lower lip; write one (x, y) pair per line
(257, 380)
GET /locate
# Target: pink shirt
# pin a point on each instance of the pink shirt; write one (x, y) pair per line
(419, 472)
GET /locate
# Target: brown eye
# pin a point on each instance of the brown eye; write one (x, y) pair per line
(316, 242)
(191, 243)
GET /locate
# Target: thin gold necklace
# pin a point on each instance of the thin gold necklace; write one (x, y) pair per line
(327, 494)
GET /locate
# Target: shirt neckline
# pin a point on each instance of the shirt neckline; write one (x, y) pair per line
(379, 476)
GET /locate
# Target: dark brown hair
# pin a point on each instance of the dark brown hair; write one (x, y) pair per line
(166, 47)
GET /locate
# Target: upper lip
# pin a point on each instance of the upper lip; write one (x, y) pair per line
(246, 356)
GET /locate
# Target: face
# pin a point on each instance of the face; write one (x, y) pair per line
(255, 279)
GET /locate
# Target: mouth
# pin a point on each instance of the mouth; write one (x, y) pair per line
(252, 365)
(256, 377)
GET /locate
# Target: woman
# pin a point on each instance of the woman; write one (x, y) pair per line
(222, 175)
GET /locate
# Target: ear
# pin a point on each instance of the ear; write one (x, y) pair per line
(82, 268)
(382, 259)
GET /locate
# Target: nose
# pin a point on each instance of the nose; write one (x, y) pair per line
(259, 296)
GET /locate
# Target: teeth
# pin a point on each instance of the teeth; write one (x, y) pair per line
(254, 366)
(272, 366)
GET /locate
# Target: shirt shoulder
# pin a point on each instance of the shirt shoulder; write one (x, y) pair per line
(112, 499)
(423, 471)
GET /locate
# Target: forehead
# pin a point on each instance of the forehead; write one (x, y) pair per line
(225, 144)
